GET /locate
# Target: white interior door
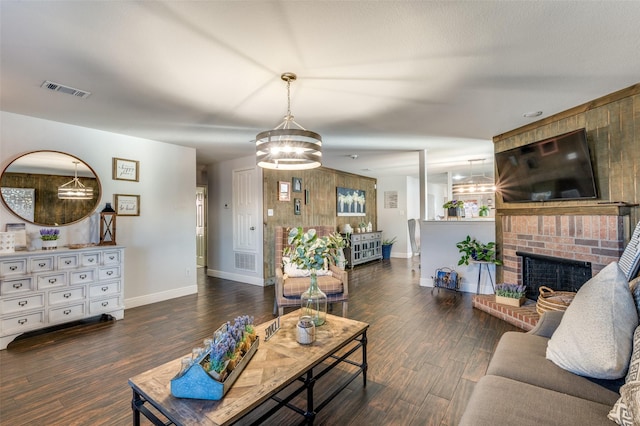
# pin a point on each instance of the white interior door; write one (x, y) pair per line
(245, 218)
(201, 226)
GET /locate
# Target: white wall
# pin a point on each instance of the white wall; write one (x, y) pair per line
(160, 254)
(221, 256)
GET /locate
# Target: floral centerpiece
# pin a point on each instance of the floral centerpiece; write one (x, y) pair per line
(49, 237)
(309, 251)
(510, 294)
(228, 346)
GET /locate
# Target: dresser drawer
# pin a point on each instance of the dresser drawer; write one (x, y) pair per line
(41, 264)
(90, 259)
(108, 273)
(356, 238)
(98, 290)
(22, 323)
(65, 296)
(112, 257)
(57, 279)
(13, 267)
(82, 277)
(17, 285)
(68, 261)
(104, 305)
(22, 304)
(67, 313)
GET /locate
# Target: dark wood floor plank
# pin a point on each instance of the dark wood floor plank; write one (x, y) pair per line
(425, 353)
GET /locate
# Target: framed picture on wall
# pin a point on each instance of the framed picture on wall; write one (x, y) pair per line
(284, 191)
(297, 184)
(351, 202)
(127, 205)
(126, 169)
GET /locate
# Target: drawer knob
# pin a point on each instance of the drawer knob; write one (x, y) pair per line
(23, 302)
(42, 265)
(66, 311)
(66, 295)
(13, 268)
(105, 288)
(83, 276)
(111, 257)
(105, 304)
(22, 321)
(52, 280)
(17, 285)
(109, 272)
(67, 262)
(91, 260)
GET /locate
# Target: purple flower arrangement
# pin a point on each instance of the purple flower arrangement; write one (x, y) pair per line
(514, 291)
(230, 343)
(49, 234)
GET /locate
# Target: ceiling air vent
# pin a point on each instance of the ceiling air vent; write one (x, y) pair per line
(57, 87)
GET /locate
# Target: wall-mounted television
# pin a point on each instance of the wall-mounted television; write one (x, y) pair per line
(553, 169)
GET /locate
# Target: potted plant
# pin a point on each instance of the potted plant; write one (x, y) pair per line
(475, 250)
(386, 247)
(49, 237)
(510, 294)
(453, 206)
(483, 211)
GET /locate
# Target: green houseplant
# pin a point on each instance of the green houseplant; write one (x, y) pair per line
(483, 211)
(386, 247)
(473, 249)
(309, 251)
(453, 207)
(510, 294)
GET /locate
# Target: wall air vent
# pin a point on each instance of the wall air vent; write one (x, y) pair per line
(57, 87)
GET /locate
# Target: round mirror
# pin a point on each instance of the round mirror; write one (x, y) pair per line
(50, 188)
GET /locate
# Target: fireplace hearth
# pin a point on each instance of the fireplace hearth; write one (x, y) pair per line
(559, 274)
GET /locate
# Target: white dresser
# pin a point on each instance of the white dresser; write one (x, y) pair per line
(40, 289)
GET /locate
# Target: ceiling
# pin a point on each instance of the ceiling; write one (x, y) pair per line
(379, 79)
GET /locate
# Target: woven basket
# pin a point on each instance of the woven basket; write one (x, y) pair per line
(550, 300)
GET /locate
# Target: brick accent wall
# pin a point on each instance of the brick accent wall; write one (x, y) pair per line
(596, 239)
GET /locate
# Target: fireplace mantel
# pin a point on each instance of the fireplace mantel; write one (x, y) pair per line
(602, 209)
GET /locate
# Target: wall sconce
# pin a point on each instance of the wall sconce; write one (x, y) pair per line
(108, 226)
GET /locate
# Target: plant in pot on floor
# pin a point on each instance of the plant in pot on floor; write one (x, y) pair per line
(387, 244)
(473, 249)
(510, 294)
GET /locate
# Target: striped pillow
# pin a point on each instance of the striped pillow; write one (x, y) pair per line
(630, 259)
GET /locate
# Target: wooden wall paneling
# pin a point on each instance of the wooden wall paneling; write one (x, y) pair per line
(321, 210)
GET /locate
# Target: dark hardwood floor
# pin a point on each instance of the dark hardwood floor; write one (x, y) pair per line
(426, 352)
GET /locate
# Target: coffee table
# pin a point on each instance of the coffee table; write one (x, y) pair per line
(269, 376)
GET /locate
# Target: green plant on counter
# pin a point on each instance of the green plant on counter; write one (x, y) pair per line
(483, 211)
(473, 249)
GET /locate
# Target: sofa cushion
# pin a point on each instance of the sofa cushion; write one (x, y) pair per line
(294, 287)
(594, 338)
(620, 412)
(521, 357)
(630, 259)
(500, 401)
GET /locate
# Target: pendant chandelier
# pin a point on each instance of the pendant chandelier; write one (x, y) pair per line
(287, 148)
(475, 184)
(74, 190)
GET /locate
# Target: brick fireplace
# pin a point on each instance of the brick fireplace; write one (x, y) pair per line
(595, 239)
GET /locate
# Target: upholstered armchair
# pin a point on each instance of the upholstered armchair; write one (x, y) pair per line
(288, 289)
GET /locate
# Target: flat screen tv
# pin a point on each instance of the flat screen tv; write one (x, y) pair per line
(553, 169)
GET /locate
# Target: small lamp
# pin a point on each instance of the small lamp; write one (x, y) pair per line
(108, 226)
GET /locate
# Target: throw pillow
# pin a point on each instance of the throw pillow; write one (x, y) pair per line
(594, 338)
(620, 412)
(634, 286)
(630, 259)
(292, 270)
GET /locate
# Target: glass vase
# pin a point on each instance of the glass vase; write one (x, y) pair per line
(314, 301)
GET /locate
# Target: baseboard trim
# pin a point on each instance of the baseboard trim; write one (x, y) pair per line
(236, 277)
(148, 299)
